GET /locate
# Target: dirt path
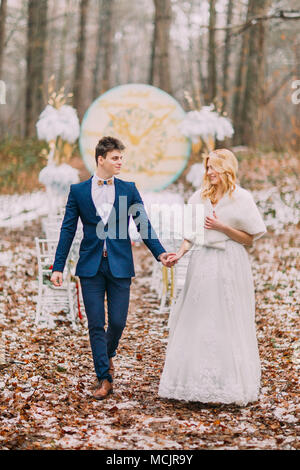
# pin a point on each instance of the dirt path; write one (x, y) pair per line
(45, 398)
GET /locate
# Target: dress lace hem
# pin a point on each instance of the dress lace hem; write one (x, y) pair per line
(204, 395)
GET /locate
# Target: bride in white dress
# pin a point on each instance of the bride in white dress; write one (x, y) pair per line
(212, 353)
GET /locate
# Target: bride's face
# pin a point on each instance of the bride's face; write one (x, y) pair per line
(212, 174)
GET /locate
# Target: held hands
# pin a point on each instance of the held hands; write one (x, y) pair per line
(214, 223)
(57, 279)
(173, 258)
(166, 259)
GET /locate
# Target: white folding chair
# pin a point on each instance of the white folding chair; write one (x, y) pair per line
(157, 271)
(52, 299)
(52, 230)
(180, 275)
(156, 277)
(51, 226)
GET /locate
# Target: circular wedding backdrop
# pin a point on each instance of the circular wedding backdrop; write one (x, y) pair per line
(146, 119)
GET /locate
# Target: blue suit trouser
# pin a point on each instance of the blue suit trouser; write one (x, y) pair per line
(104, 343)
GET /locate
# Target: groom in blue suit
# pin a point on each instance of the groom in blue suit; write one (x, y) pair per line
(104, 204)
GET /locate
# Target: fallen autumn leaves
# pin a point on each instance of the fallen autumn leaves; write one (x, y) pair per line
(46, 400)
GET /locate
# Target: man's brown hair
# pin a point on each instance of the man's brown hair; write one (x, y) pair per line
(107, 144)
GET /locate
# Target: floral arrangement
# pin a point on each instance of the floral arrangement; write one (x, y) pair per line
(204, 124)
(59, 125)
(196, 174)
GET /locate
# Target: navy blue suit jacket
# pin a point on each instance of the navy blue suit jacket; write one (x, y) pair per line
(80, 204)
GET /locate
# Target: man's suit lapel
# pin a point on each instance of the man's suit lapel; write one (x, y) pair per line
(117, 194)
(88, 200)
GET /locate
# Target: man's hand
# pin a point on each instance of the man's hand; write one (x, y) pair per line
(174, 257)
(57, 279)
(164, 258)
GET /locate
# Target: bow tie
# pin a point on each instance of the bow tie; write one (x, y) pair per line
(101, 182)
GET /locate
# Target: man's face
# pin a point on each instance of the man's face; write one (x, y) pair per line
(112, 164)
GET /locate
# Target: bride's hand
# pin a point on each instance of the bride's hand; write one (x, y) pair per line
(174, 257)
(213, 223)
(165, 259)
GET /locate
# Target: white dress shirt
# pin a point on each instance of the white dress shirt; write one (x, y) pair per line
(103, 198)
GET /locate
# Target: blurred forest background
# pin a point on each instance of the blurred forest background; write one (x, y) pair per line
(244, 57)
(241, 55)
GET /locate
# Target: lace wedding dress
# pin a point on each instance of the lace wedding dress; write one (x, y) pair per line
(212, 353)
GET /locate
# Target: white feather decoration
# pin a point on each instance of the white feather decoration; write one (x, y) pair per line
(69, 127)
(59, 177)
(195, 174)
(47, 124)
(205, 123)
(61, 122)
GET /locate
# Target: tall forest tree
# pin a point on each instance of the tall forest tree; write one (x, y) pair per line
(78, 86)
(160, 74)
(227, 52)
(202, 78)
(240, 80)
(63, 43)
(194, 84)
(296, 115)
(104, 49)
(36, 46)
(3, 11)
(212, 68)
(253, 98)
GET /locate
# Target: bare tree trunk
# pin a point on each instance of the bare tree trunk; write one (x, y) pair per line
(191, 56)
(36, 44)
(253, 98)
(212, 69)
(104, 52)
(63, 42)
(202, 78)
(160, 62)
(295, 141)
(107, 43)
(40, 53)
(227, 52)
(98, 58)
(152, 58)
(80, 56)
(53, 44)
(3, 12)
(240, 80)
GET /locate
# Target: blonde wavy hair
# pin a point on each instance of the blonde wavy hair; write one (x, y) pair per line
(225, 163)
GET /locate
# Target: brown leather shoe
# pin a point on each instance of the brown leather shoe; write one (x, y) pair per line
(111, 369)
(104, 389)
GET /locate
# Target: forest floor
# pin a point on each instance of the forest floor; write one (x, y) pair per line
(46, 389)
